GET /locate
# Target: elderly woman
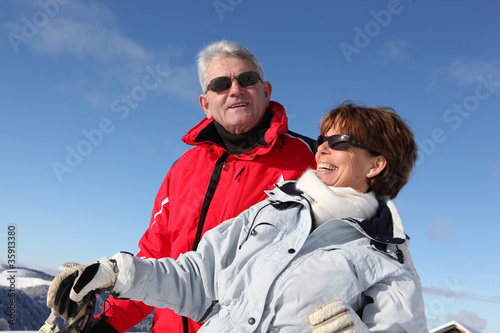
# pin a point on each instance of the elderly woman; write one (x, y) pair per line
(332, 241)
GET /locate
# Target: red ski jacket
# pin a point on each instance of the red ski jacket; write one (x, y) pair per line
(205, 187)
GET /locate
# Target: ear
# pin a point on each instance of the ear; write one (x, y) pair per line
(378, 165)
(267, 91)
(205, 105)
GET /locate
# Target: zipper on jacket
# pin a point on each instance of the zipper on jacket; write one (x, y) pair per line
(282, 138)
(251, 226)
(209, 310)
(212, 185)
(239, 173)
(400, 255)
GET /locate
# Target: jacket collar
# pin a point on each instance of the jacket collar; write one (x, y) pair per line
(386, 227)
(205, 132)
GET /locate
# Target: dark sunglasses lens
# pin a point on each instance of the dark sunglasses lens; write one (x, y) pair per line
(220, 84)
(248, 79)
(339, 145)
(223, 83)
(334, 142)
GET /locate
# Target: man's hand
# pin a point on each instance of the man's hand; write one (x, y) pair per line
(71, 286)
(336, 317)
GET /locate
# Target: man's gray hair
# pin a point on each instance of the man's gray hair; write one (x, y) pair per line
(223, 49)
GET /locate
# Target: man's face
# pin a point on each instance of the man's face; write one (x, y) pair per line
(238, 109)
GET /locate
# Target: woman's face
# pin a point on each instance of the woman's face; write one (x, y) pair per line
(349, 168)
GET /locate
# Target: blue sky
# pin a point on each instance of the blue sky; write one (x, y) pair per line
(95, 96)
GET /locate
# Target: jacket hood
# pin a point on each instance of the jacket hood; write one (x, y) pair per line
(385, 228)
(278, 126)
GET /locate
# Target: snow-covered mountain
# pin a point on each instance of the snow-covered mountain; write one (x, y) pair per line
(26, 287)
(24, 277)
(23, 293)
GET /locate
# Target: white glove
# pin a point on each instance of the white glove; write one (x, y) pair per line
(335, 317)
(73, 284)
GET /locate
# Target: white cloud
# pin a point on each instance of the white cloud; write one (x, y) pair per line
(96, 98)
(464, 73)
(183, 81)
(395, 51)
(89, 32)
(446, 292)
(469, 319)
(80, 28)
(436, 78)
(441, 230)
(454, 290)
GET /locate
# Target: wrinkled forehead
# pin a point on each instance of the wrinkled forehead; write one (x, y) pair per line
(228, 66)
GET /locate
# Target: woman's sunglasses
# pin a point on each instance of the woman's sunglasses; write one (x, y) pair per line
(223, 83)
(339, 141)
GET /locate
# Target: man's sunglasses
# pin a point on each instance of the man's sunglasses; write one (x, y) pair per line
(223, 83)
(339, 141)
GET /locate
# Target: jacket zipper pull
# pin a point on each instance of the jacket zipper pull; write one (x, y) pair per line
(400, 256)
(209, 310)
(239, 173)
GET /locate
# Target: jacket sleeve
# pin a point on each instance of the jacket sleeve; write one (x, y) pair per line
(186, 285)
(125, 314)
(398, 304)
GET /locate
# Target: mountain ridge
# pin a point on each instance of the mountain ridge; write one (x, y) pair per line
(23, 293)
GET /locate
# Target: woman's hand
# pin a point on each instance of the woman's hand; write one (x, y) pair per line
(336, 317)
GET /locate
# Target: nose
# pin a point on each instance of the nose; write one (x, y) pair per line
(323, 148)
(235, 88)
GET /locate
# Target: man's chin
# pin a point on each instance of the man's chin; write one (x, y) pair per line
(241, 125)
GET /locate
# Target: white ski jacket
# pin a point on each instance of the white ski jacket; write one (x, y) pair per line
(264, 271)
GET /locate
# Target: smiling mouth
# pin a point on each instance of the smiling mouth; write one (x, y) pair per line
(238, 105)
(325, 167)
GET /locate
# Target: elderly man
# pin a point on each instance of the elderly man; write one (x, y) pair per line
(242, 148)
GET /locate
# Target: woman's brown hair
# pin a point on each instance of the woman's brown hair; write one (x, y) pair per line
(382, 131)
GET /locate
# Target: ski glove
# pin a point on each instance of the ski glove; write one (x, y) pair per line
(71, 286)
(336, 316)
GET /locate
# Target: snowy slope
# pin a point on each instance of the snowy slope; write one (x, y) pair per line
(31, 285)
(47, 270)
(27, 287)
(23, 278)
